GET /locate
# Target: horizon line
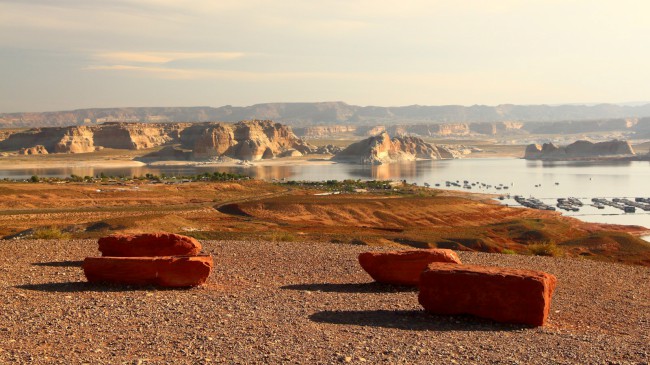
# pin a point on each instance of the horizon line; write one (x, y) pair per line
(621, 104)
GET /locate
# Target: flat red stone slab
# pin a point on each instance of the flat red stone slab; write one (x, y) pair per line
(170, 271)
(403, 267)
(148, 245)
(501, 294)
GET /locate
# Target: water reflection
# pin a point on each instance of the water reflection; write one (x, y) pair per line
(604, 163)
(396, 171)
(135, 171)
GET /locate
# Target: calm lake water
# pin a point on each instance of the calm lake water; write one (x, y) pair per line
(544, 180)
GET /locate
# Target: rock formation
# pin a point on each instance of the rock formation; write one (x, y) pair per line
(328, 150)
(4, 134)
(36, 150)
(290, 153)
(579, 150)
(82, 139)
(457, 129)
(246, 140)
(403, 267)
(449, 153)
(382, 149)
(500, 294)
(136, 136)
(148, 244)
(212, 141)
(162, 259)
(324, 131)
(370, 130)
(171, 272)
(76, 140)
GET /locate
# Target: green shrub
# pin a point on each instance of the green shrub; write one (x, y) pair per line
(508, 251)
(282, 237)
(50, 233)
(545, 249)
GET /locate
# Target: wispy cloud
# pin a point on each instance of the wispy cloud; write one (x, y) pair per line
(158, 64)
(194, 74)
(164, 57)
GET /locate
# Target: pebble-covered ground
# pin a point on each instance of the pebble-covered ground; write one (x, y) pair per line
(302, 303)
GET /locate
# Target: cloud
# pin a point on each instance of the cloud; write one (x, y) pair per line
(164, 57)
(155, 64)
(195, 74)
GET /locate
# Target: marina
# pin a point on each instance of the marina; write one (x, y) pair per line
(572, 204)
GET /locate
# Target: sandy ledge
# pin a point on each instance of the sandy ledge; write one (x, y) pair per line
(301, 161)
(307, 303)
(88, 160)
(26, 164)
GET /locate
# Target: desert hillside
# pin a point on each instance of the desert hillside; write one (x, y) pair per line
(275, 302)
(364, 213)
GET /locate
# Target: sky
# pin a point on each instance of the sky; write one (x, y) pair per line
(70, 54)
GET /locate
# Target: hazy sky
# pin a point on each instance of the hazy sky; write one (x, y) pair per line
(65, 54)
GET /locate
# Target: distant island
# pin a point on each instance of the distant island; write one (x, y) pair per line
(584, 150)
(382, 149)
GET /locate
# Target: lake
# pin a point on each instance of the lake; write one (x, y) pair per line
(541, 179)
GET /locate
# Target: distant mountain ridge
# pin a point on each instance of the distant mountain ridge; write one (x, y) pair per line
(328, 113)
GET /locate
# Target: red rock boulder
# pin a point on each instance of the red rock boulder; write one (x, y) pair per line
(403, 267)
(149, 244)
(171, 271)
(500, 294)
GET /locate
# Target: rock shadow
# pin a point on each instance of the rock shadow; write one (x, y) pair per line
(232, 209)
(412, 320)
(59, 263)
(371, 287)
(84, 286)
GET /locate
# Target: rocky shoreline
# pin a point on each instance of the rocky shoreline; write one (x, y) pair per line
(272, 302)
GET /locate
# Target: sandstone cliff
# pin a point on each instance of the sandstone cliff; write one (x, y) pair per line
(76, 140)
(4, 134)
(246, 140)
(36, 150)
(210, 140)
(457, 129)
(81, 139)
(136, 136)
(428, 130)
(381, 149)
(579, 150)
(369, 130)
(46, 137)
(324, 131)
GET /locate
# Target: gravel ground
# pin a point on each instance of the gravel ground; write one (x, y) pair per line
(302, 303)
